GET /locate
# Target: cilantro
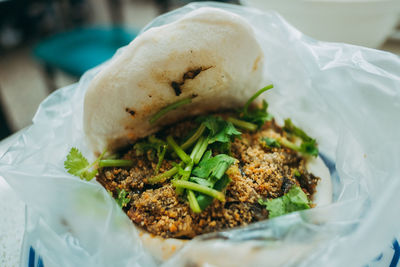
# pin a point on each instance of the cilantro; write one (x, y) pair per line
(213, 168)
(253, 97)
(161, 156)
(202, 181)
(223, 148)
(76, 164)
(290, 128)
(254, 118)
(178, 150)
(306, 147)
(294, 200)
(154, 146)
(115, 163)
(194, 205)
(194, 137)
(199, 188)
(243, 124)
(271, 142)
(204, 201)
(309, 147)
(220, 130)
(258, 115)
(122, 199)
(160, 178)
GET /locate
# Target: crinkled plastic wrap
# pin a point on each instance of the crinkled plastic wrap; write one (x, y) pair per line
(348, 97)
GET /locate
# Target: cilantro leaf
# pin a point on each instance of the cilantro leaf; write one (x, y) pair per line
(309, 147)
(294, 200)
(122, 199)
(223, 148)
(77, 165)
(271, 142)
(204, 200)
(258, 115)
(213, 168)
(276, 207)
(297, 200)
(220, 130)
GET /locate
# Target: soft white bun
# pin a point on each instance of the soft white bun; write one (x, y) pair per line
(210, 53)
(162, 249)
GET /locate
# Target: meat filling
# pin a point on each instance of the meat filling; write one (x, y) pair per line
(260, 173)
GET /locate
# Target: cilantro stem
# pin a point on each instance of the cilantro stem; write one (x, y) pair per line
(257, 94)
(288, 144)
(178, 150)
(202, 149)
(243, 124)
(168, 108)
(189, 167)
(185, 176)
(163, 176)
(115, 163)
(194, 137)
(98, 159)
(199, 188)
(161, 158)
(194, 205)
(196, 148)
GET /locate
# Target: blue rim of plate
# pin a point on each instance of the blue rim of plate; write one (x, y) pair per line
(36, 261)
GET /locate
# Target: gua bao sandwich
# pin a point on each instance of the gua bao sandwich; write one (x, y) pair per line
(190, 147)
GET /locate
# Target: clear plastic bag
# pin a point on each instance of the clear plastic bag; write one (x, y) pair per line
(348, 97)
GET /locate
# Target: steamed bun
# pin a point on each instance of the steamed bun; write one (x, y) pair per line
(209, 55)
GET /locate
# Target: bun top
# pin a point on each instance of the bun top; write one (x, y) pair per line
(209, 55)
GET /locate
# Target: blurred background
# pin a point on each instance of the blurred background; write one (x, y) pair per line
(47, 44)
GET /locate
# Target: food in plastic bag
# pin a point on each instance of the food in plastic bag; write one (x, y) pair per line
(347, 97)
(207, 61)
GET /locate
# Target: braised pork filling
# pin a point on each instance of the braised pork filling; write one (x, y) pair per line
(261, 171)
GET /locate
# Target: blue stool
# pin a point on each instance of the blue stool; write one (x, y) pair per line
(79, 50)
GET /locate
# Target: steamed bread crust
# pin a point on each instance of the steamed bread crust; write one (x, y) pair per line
(209, 54)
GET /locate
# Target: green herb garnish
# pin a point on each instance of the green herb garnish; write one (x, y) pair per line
(76, 164)
(197, 134)
(271, 142)
(168, 108)
(308, 145)
(178, 150)
(257, 94)
(290, 128)
(161, 156)
(258, 115)
(220, 130)
(122, 199)
(213, 168)
(194, 205)
(160, 178)
(199, 188)
(243, 124)
(115, 163)
(294, 200)
(204, 200)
